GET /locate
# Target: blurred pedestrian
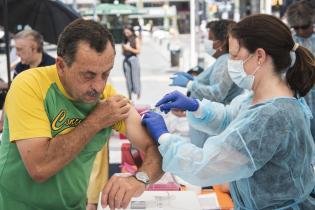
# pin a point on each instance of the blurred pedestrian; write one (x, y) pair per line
(131, 49)
(29, 48)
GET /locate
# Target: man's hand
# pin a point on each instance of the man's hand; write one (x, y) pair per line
(110, 111)
(119, 190)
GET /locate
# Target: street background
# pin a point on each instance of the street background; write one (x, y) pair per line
(155, 68)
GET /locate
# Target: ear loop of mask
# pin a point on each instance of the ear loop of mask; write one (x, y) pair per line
(257, 68)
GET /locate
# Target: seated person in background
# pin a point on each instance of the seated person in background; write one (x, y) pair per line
(29, 47)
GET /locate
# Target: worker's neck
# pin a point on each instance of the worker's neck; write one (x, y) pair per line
(271, 88)
(37, 60)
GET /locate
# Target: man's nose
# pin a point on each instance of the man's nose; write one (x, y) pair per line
(98, 85)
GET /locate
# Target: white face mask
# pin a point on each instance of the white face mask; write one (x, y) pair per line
(209, 47)
(238, 74)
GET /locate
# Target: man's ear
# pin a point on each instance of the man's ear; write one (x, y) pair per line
(60, 64)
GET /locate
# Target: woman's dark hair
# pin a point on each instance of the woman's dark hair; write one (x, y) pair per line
(220, 29)
(272, 35)
(130, 28)
(210, 24)
(80, 30)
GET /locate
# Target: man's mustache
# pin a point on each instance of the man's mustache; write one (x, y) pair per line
(93, 93)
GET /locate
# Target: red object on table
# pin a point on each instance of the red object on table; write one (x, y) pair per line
(122, 136)
(131, 155)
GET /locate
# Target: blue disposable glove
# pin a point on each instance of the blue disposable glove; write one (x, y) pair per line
(155, 125)
(185, 74)
(177, 100)
(180, 80)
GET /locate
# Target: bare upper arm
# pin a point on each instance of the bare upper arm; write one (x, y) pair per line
(32, 152)
(136, 132)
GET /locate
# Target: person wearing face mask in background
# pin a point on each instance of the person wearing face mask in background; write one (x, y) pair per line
(261, 134)
(208, 42)
(300, 17)
(215, 83)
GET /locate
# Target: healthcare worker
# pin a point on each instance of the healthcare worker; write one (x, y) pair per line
(264, 146)
(300, 17)
(215, 83)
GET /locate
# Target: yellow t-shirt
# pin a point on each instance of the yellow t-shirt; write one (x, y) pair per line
(29, 98)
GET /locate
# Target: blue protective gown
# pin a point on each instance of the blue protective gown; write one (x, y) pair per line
(310, 100)
(308, 43)
(263, 150)
(216, 85)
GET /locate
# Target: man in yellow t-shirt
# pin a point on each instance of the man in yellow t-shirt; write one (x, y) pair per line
(58, 117)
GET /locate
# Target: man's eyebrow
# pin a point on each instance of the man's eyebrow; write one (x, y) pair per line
(88, 72)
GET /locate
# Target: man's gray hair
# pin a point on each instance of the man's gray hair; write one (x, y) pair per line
(37, 37)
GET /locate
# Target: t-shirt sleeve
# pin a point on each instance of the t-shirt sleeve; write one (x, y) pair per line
(25, 111)
(108, 92)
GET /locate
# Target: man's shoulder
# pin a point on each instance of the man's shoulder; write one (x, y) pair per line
(109, 91)
(41, 76)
